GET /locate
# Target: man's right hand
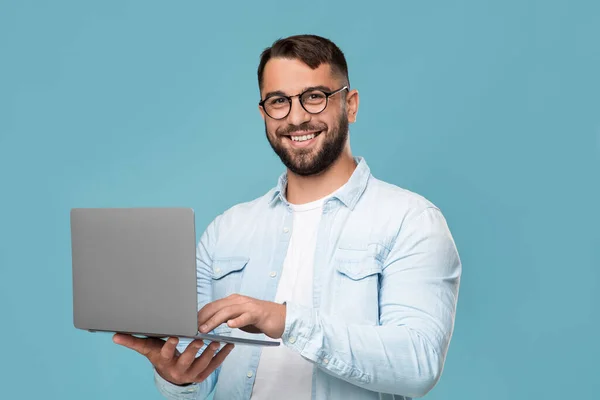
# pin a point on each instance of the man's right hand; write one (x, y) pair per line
(177, 368)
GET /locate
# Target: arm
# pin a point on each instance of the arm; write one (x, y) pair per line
(204, 289)
(405, 354)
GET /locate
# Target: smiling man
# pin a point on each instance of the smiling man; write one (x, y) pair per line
(357, 278)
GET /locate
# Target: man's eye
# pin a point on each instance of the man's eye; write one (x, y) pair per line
(276, 100)
(313, 98)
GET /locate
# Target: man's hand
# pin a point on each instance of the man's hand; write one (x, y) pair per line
(175, 367)
(246, 313)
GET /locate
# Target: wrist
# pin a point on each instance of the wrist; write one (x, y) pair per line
(170, 381)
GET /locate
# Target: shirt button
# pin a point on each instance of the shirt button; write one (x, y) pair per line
(273, 274)
(286, 229)
(325, 360)
(292, 339)
(249, 374)
(217, 270)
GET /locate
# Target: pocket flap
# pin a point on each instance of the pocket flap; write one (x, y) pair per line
(223, 266)
(357, 270)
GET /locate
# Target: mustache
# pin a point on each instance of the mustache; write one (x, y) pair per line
(291, 129)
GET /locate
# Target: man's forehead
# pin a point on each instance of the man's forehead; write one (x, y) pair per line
(292, 76)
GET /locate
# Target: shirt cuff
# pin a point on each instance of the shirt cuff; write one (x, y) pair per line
(300, 322)
(172, 391)
(304, 334)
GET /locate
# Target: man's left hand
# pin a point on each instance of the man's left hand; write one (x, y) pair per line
(246, 313)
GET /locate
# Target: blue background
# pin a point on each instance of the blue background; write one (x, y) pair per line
(489, 109)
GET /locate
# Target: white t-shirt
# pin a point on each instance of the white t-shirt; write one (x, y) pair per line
(280, 370)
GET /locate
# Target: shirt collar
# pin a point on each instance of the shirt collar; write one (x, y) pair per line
(349, 194)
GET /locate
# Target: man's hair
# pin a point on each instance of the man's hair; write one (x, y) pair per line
(310, 49)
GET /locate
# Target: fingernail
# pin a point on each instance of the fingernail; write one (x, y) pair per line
(204, 328)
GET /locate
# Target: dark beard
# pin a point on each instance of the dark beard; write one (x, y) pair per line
(301, 162)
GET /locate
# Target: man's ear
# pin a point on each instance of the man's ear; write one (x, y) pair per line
(352, 102)
(262, 112)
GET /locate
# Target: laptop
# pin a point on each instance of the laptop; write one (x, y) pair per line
(134, 271)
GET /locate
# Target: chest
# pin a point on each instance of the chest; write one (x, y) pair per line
(343, 251)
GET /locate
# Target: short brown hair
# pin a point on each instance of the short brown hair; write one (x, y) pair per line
(311, 49)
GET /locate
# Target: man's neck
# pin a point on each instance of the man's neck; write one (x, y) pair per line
(304, 189)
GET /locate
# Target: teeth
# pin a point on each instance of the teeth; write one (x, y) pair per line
(303, 138)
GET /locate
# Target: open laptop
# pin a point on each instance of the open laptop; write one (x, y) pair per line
(134, 271)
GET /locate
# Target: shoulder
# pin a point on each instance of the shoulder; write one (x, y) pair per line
(244, 213)
(401, 217)
(396, 200)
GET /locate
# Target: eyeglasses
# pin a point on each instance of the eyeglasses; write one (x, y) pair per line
(314, 101)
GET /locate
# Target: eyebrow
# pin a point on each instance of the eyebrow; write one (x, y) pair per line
(281, 93)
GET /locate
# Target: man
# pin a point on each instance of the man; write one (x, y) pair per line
(356, 277)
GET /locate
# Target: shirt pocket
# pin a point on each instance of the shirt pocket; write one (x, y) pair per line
(357, 278)
(227, 274)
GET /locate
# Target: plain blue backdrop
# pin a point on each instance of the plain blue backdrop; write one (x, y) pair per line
(489, 109)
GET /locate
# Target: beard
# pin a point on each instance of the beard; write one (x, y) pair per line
(306, 162)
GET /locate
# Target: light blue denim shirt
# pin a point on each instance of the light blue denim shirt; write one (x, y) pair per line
(385, 290)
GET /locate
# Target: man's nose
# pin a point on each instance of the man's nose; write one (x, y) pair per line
(298, 114)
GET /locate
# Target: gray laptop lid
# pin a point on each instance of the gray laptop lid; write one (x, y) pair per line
(134, 270)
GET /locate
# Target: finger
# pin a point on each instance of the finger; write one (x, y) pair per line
(215, 362)
(224, 314)
(167, 352)
(243, 320)
(202, 362)
(211, 308)
(144, 346)
(189, 355)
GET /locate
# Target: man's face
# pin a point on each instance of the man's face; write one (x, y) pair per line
(330, 127)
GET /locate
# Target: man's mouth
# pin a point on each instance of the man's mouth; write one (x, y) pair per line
(298, 138)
